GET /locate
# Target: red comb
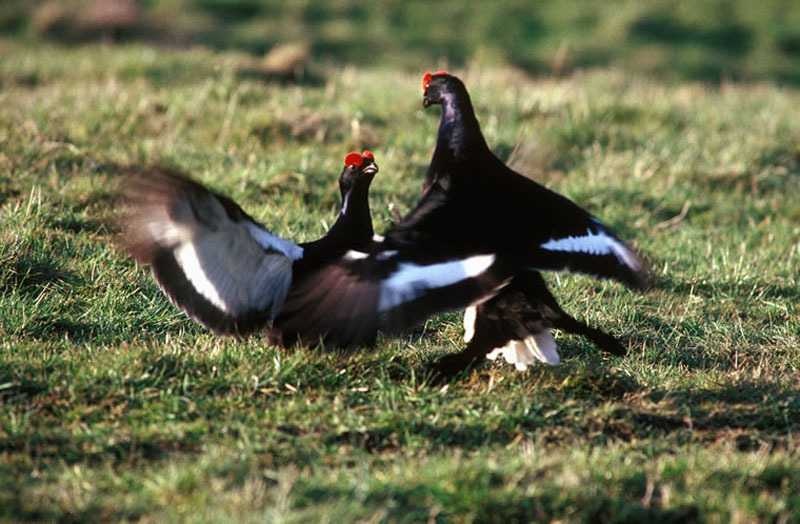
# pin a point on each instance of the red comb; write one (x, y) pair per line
(353, 159)
(426, 80)
(428, 76)
(368, 154)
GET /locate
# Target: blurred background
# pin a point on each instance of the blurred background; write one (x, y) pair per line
(712, 41)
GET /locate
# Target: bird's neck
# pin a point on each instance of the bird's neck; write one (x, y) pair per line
(459, 142)
(353, 226)
(459, 131)
(352, 230)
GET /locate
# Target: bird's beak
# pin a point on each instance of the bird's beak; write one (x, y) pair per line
(425, 100)
(371, 169)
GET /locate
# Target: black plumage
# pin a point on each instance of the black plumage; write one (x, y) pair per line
(229, 273)
(217, 263)
(476, 202)
(481, 203)
(477, 227)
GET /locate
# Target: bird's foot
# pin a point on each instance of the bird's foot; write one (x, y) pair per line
(609, 343)
(450, 366)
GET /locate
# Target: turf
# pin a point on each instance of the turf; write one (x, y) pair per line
(114, 406)
(709, 40)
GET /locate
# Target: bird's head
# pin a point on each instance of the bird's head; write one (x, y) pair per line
(359, 168)
(439, 86)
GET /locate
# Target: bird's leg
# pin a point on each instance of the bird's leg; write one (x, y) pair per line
(485, 338)
(600, 338)
(483, 341)
(451, 365)
(533, 285)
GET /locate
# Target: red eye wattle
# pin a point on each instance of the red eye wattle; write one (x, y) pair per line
(428, 76)
(368, 155)
(426, 80)
(353, 159)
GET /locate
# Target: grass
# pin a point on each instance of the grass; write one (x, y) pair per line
(707, 40)
(113, 406)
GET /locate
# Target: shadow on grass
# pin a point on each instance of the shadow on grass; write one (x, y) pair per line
(64, 326)
(415, 501)
(16, 506)
(31, 275)
(747, 415)
(66, 447)
(742, 291)
(770, 408)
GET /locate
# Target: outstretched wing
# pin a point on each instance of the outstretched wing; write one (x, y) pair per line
(567, 237)
(348, 302)
(494, 209)
(232, 275)
(211, 259)
(592, 248)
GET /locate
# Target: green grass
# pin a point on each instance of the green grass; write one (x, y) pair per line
(115, 406)
(708, 40)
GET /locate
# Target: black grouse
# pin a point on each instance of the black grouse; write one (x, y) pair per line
(214, 261)
(486, 205)
(229, 273)
(476, 228)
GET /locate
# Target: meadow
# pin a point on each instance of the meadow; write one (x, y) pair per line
(114, 406)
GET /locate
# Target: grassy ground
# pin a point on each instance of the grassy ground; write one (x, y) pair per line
(114, 406)
(709, 40)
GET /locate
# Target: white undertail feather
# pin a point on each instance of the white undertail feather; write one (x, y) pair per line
(470, 314)
(544, 347)
(523, 353)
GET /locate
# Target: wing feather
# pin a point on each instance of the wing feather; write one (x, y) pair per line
(490, 208)
(348, 302)
(209, 257)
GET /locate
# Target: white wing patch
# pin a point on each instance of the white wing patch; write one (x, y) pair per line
(354, 255)
(410, 280)
(231, 271)
(224, 272)
(523, 353)
(187, 259)
(595, 243)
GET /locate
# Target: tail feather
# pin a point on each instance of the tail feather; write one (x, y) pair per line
(544, 347)
(523, 353)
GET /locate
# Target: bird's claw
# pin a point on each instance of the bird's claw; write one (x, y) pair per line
(450, 366)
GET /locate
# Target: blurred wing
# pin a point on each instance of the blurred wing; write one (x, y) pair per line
(208, 256)
(348, 302)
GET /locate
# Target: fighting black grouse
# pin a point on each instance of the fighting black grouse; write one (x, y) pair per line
(487, 205)
(231, 274)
